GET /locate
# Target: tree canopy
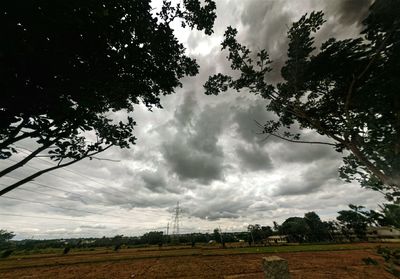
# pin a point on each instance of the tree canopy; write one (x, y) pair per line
(355, 220)
(5, 237)
(66, 66)
(310, 228)
(347, 90)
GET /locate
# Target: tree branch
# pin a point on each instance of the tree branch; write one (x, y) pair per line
(301, 141)
(368, 66)
(13, 139)
(371, 167)
(26, 159)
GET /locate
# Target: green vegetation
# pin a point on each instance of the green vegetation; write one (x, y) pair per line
(5, 244)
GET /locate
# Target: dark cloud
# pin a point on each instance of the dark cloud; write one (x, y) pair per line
(154, 181)
(204, 151)
(349, 12)
(185, 112)
(189, 163)
(310, 180)
(246, 117)
(221, 203)
(138, 196)
(194, 152)
(268, 23)
(253, 158)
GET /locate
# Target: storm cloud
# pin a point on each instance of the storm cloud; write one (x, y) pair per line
(206, 152)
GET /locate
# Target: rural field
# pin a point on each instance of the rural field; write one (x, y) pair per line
(305, 261)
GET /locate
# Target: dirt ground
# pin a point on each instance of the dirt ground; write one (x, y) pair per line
(327, 264)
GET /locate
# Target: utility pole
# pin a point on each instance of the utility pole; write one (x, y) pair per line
(221, 237)
(167, 228)
(167, 237)
(175, 228)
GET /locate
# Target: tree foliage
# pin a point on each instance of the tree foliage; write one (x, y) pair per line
(347, 90)
(66, 66)
(5, 237)
(259, 233)
(295, 228)
(154, 237)
(310, 228)
(355, 221)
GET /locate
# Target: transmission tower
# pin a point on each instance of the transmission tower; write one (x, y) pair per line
(175, 228)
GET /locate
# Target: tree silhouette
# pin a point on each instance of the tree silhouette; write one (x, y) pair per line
(348, 90)
(66, 66)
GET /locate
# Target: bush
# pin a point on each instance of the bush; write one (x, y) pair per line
(66, 250)
(6, 254)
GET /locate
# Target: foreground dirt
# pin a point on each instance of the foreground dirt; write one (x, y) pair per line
(332, 264)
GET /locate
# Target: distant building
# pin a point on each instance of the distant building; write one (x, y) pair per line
(277, 239)
(383, 234)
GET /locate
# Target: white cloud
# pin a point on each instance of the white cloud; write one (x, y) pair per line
(203, 151)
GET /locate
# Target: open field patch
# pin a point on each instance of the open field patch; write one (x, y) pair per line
(305, 261)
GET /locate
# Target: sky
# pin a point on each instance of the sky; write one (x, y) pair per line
(205, 152)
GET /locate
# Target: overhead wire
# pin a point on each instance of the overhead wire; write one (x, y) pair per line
(72, 193)
(65, 198)
(60, 207)
(57, 218)
(121, 193)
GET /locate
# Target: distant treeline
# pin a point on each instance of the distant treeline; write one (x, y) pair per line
(350, 225)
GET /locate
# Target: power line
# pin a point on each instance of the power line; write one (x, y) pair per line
(120, 193)
(67, 208)
(43, 185)
(65, 169)
(50, 195)
(88, 186)
(57, 189)
(72, 193)
(53, 218)
(123, 194)
(60, 207)
(51, 187)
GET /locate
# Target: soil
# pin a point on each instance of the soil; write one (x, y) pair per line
(315, 265)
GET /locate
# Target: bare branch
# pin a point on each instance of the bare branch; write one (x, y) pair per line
(290, 140)
(301, 141)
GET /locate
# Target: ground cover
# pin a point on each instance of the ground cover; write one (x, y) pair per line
(305, 261)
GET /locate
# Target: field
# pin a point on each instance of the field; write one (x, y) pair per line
(305, 261)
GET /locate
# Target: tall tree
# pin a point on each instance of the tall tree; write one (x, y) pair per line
(318, 229)
(65, 66)
(296, 229)
(5, 237)
(258, 233)
(347, 90)
(354, 221)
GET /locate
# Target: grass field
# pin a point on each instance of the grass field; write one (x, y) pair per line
(342, 260)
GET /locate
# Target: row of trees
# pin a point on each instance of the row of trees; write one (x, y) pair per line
(310, 228)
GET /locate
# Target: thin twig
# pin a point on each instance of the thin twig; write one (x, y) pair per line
(302, 141)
